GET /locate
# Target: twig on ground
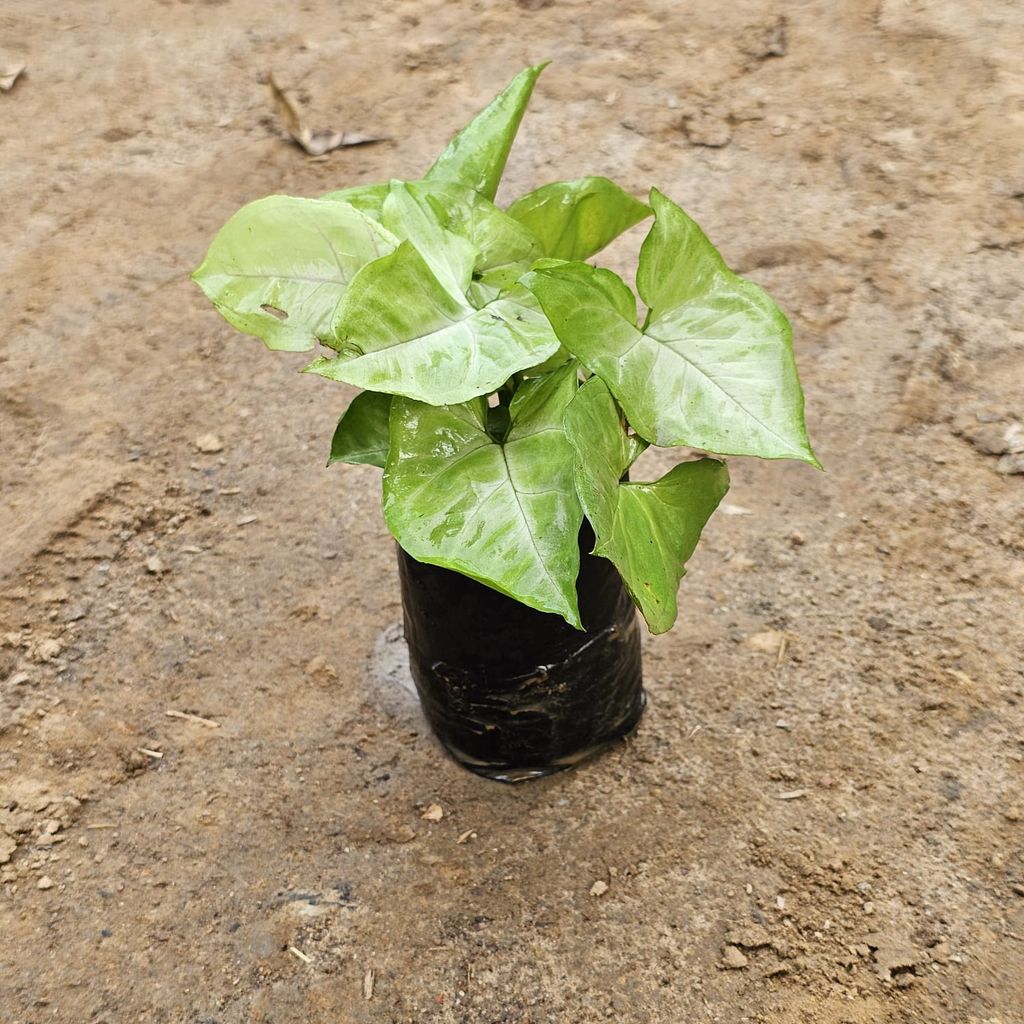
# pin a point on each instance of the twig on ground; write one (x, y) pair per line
(208, 722)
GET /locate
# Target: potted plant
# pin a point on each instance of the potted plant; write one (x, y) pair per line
(508, 387)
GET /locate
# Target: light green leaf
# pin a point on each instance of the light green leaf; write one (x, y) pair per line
(476, 156)
(505, 514)
(368, 199)
(561, 355)
(280, 266)
(647, 530)
(361, 436)
(575, 219)
(466, 231)
(400, 331)
(409, 214)
(485, 289)
(713, 368)
(499, 240)
(503, 248)
(591, 309)
(560, 358)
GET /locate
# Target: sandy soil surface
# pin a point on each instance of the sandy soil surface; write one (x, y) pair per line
(821, 816)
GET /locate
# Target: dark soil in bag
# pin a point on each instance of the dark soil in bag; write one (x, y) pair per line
(514, 693)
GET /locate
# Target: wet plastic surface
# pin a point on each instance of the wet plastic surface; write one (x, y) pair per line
(514, 693)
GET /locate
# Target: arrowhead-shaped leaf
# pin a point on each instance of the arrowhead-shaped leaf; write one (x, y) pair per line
(280, 266)
(476, 156)
(713, 368)
(504, 248)
(429, 213)
(399, 330)
(505, 514)
(575, 219)
(409, 214)
(498, 238)
(648, 530)
(362, 434)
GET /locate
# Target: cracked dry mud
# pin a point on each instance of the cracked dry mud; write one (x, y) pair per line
(820, 817)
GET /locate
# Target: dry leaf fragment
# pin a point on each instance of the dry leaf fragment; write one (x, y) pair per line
(435, 812)
(314, 143)
(9, 74)
(285, 111)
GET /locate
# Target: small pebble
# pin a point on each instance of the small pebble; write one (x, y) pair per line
(209, 444)
(48, 649)
(320, 666)
(1012, 463)
(435, 812)
(1012, 813)
(46, 882)
(733, 959)
(154, 566)
(599, 888)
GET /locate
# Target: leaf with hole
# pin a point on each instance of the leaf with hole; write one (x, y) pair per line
(399, 330)
(280, 266)
(469, 327)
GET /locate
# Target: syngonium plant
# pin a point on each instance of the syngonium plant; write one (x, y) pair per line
(509, 385)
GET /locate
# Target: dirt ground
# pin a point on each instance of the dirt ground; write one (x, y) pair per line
(821, 817)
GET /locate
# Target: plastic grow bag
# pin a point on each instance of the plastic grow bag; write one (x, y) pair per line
(514, 693)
